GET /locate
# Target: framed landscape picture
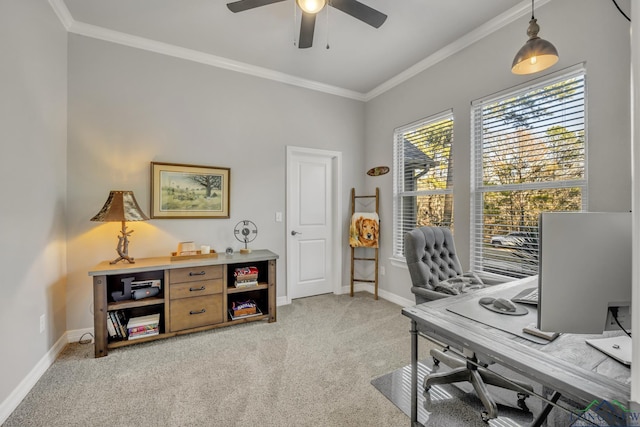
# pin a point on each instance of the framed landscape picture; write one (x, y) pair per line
(189, 191)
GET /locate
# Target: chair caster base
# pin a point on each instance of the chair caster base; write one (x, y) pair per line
(521, 403)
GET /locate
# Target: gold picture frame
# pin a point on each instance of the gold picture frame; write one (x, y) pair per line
(189, 191)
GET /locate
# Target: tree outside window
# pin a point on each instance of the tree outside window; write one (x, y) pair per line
(529, 157)
(423, 176)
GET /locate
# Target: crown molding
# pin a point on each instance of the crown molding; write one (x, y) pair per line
(129, 40)
(105, 34)
(62, 12)
(463, 42)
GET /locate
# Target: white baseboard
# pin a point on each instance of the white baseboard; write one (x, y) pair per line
(77, 334)
(366, 287)
(11, 403)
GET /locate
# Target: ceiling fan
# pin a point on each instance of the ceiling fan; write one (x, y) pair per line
(310, 9)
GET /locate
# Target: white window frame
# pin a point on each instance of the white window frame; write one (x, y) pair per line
(399, 192)
(477, 187)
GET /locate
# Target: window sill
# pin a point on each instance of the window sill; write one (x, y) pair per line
(398, 262)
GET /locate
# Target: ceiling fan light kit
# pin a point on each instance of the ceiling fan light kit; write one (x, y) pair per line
(311, 6)
(536, 54)
(310, 9)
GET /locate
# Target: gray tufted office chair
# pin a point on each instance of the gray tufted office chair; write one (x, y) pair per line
(431, 258)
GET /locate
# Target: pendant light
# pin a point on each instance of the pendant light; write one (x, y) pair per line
(311, 6)
(536, 54)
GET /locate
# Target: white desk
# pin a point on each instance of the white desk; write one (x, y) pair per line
(566, 365)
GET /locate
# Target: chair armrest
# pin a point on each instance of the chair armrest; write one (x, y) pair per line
(428, 294)
(493, 279)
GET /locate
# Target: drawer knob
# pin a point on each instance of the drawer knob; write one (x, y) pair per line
(197, 312)
(202, 273)
(201, 288)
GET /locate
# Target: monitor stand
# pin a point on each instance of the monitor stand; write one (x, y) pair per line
(617, 347)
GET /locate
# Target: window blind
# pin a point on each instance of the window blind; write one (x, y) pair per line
(529, 156)
(423, 176)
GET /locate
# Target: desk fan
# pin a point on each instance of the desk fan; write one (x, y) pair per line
(245, 231)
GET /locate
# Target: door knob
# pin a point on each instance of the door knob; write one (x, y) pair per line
(294, 232)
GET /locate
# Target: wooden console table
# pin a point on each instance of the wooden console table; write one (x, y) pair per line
(195, 294)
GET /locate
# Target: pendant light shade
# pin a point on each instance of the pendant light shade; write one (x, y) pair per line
(311, 6)
(536, 54)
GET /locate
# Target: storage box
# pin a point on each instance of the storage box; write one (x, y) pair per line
(243, 308)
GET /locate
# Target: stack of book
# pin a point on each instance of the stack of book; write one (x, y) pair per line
(246, 276)
(117, 324)
(143, 326)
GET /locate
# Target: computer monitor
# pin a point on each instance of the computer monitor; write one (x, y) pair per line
(584, 268)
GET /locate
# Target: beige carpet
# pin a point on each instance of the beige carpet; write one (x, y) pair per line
(312, 367)
(457, 405)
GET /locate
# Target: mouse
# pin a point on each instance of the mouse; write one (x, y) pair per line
(503, 304)
(486, 300)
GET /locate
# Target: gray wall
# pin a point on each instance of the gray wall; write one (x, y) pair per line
(484, 68)
(33, 120)
(128, 107)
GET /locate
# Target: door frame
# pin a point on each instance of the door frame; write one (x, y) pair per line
(336, 194)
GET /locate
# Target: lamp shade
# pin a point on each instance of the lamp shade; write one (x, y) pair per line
(311, 6)
(120, 206)
(536, 54)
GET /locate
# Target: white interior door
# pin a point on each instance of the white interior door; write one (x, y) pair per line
(310, 222)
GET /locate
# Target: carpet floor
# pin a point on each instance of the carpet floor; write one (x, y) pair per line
(313, 367)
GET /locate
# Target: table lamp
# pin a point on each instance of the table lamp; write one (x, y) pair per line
(121, 206)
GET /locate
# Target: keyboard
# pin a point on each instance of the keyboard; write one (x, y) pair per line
(527, 296)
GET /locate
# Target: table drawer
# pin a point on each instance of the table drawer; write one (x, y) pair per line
(193, 274)
(196, 289)
(187, 313)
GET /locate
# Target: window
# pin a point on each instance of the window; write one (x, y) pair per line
(529, 156)
(423, 176)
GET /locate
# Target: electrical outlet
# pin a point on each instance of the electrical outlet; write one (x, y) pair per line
(382, 270)
(623, 314)
(42, 323)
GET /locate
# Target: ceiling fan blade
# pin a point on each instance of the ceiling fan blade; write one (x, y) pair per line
(242, 5)
(307, 26)
(360, 11)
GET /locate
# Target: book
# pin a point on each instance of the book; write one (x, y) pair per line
(144, 334)
(110, 328)
(245, 283)
(116, 326)
(121, 323)
(137, 330)
(151, 319)
(138, 327)
(246, 273)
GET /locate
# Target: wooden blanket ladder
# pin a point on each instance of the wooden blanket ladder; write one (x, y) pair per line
(353, 250)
